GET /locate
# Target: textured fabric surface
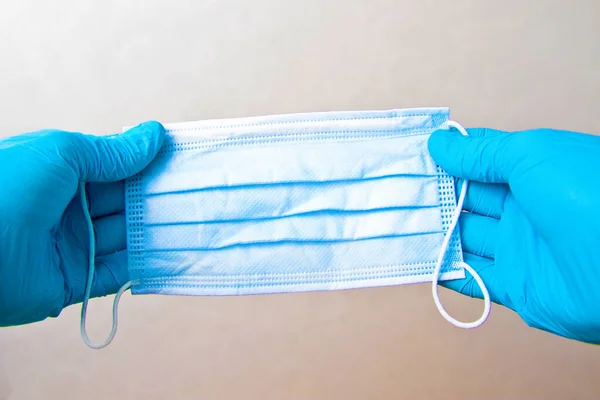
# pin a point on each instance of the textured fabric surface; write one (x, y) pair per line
(290, 203)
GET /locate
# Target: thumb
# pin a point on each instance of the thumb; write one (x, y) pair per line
(116, 157)
(485, 155)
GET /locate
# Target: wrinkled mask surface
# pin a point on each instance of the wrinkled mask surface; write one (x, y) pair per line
(291, 203)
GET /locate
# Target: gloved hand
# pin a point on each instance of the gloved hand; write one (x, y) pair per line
(532, 226)
(44, 238)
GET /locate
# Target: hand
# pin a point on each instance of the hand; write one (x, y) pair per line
(44, 238)
(532, 223)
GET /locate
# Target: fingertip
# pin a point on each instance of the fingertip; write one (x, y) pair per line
(436, 140)
(486, 155)
(436, 143)
(147, 137)
(442, 147)
(153, 131)
(153, 127)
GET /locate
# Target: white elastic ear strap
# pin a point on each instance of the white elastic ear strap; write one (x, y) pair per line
(90, 280)
(438, 266)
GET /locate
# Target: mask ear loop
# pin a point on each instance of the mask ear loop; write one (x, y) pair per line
(438, 266)
(90, 280)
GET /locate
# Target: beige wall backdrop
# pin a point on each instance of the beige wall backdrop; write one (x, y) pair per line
(95, 66)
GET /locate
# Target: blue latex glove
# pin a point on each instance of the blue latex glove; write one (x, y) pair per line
(44, 238)
(532, 230)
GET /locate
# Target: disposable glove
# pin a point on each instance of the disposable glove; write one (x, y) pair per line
(532, 223)
(44, 239)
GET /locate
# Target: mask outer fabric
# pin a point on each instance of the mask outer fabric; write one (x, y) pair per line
(290, 203)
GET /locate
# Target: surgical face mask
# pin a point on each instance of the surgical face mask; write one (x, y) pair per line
(294, 203)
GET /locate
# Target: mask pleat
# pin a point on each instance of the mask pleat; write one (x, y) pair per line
(302, 162)
(253, 269)
(272, 201)
(313, 227)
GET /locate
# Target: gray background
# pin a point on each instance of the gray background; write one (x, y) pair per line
(95, 66)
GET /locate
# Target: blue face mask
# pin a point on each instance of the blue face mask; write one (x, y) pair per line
(294, 203)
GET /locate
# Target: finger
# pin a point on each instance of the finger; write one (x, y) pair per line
(111, 234)
(488, 158)
(111, 273)
(479, 234)
(475, 132)
(485, 268)
(486, 199)
(111, 158)
(106, 198)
